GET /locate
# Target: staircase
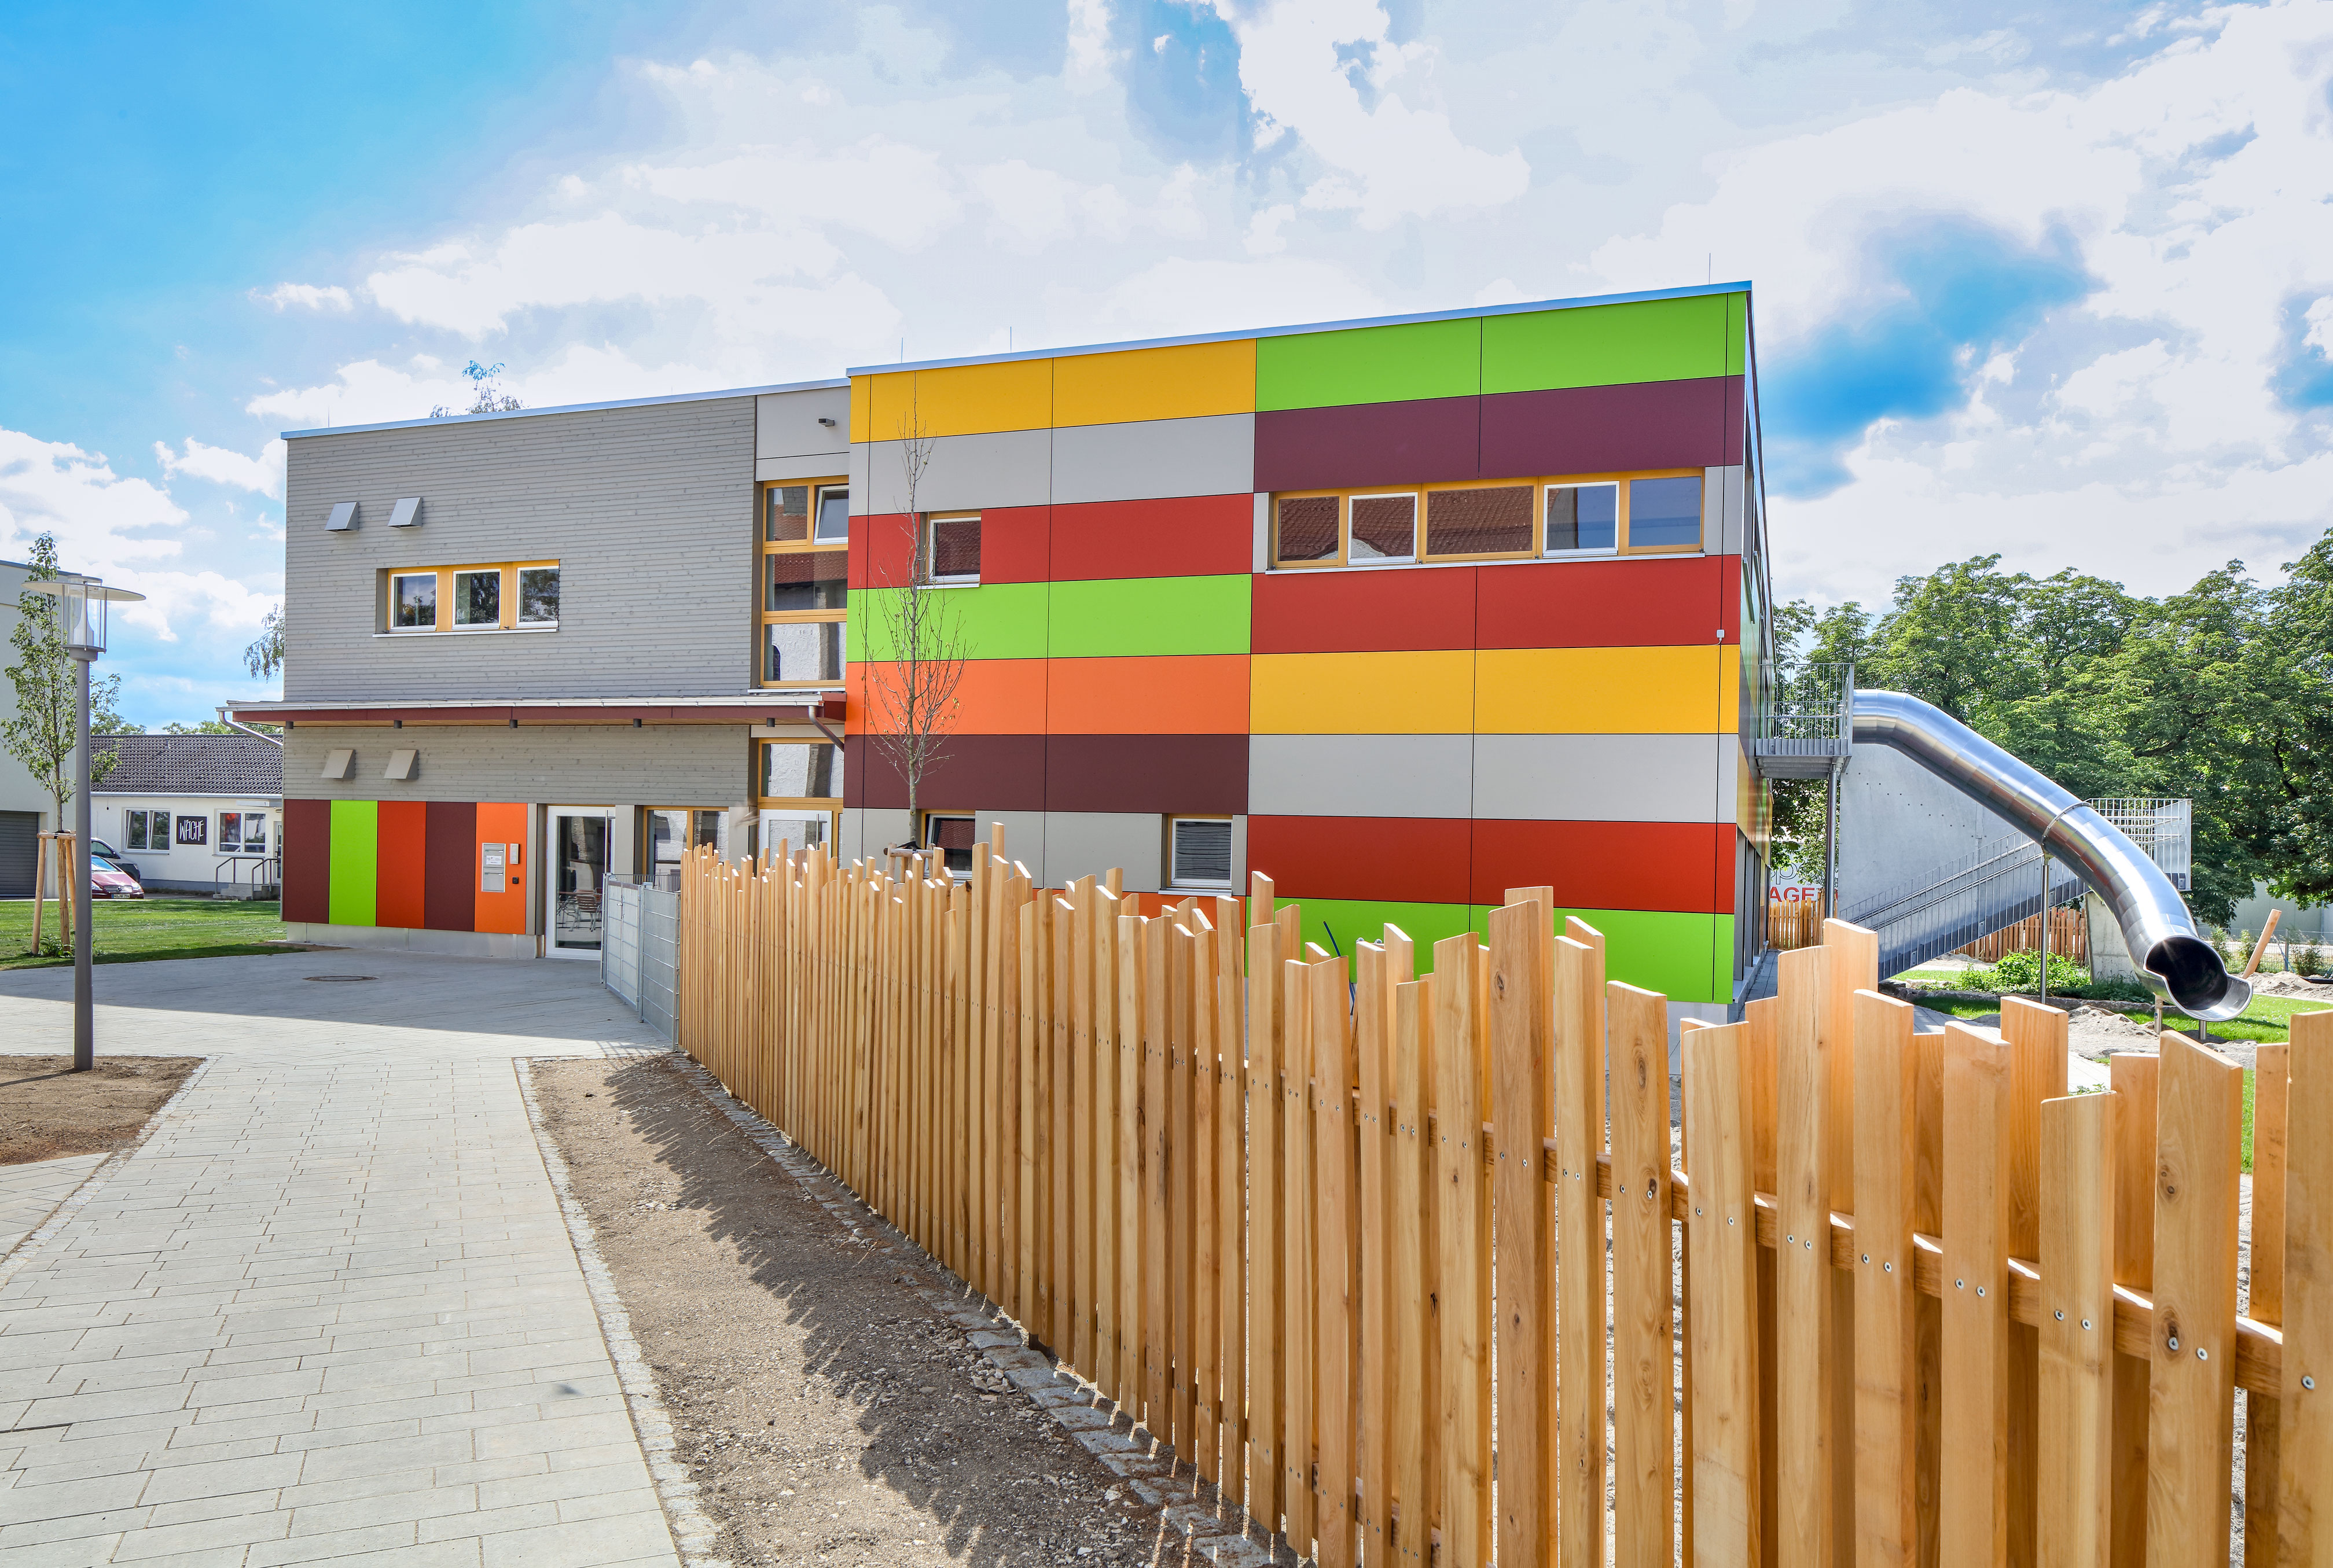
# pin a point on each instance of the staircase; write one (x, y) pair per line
(1999, 883)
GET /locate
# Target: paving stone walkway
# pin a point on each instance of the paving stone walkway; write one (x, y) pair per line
(30, 1193)
(329, 1310)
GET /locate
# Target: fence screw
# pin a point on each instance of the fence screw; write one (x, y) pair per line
(1866, 1258)
(1811, 1247)
(2203, 1352)
(1729, 1220)
(2175, 1341)
(1959, 1285)
(1696, 1212)
(1790, 1238)
(2062, 1316)
(2309, 1382)
(1979, 1290)
(1886, 1269)
(2086, 1323)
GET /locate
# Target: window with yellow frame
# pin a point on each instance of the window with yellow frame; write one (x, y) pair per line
(513, 595)
(1550, 517)
(805, 539)
(798, 792)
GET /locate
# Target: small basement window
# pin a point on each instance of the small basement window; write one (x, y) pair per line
(952, 836)
(952, 544)
(1199, 852)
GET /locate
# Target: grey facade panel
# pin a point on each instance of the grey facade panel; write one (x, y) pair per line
(1024, 836)
(1360, 774)
(1090, 843)
(817, 465)
(1155, 458)
(1008, 468)
(1605, 778)
(706, 766)
(786, 425)
(1721, 510)
(649, 511)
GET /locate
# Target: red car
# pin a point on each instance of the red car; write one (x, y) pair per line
(107, 880)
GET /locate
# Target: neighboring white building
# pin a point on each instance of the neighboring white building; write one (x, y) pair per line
(25, 809)
(195, 813)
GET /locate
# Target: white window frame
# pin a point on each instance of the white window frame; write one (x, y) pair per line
(818, 515)
(518, 588)
(931, 521)
(1416, 499)
(924, 838)
(437, 622)
(1619, 519)
(1231, 871)
(454, 577)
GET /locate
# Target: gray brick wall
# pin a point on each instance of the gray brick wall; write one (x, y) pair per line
(700, 765)
(649, 511)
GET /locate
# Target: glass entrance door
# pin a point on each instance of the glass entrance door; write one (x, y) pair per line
(578, 847)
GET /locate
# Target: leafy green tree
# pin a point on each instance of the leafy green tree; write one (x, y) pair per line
(42, 733)
(264, 656)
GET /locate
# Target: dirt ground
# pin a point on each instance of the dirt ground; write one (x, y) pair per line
(47, 1110)
(826, 1411)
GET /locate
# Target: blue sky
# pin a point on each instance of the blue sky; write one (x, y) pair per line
(2055, 281)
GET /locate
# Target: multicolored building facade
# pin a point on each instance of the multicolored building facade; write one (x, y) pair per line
(1401, 613)
(1420, 611)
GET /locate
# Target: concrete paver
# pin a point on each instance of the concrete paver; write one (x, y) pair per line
(329, 1309)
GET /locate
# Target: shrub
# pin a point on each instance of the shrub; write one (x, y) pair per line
(2021, 971)
(2308, 962)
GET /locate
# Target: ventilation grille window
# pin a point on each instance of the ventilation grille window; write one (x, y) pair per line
(1203, 853)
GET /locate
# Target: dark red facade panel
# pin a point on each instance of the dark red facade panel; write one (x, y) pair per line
(1605, 429)
(990, 772)
(1434, 439)
(308, 861)
(1604, 604)
(1147, 773)
(449, 888)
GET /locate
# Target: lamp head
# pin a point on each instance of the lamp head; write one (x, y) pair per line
(82, 600)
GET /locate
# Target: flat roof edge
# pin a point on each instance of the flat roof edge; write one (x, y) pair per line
(1521, 307)
(829, 384)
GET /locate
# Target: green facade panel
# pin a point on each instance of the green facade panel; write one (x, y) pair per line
(356, 861)
(1661, 950)
(1117, 617)
(1003, 620)
(1337, 923)
(1369, 365)
(1612, 345)
(1737, 334)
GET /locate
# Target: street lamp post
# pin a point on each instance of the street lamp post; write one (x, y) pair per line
(82, 602)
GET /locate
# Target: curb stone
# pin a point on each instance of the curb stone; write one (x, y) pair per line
(1076, 1406)
(692, 1534)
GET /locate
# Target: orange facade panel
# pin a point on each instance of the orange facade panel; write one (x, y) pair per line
(1184, 694)
(503, 823)
(993, 697)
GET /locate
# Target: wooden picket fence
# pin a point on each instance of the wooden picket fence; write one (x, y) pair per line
(1287, 1212)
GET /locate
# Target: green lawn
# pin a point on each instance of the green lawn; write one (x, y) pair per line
(136, 929)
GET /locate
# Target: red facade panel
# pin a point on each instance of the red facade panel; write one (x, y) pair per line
(449, 888)
(1186, 536)
(1013, 546)
(1606, 604)
(1387, 609)
(308, 861)
(1683, 866)
(1692, 424)
(1430, 440)
(1160, 773)
(401, 867)
(1401, 859)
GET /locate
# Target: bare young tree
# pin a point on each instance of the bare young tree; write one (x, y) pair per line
(915, 644)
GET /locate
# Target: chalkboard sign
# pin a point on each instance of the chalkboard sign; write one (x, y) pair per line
(194, 829)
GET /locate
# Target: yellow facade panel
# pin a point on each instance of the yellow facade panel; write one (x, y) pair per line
(956, 400)
(1656, 691)
(1183, 381)
(1402, 694)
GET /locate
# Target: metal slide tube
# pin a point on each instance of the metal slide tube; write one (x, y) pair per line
(2178, 964)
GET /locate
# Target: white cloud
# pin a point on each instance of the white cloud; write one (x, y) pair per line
(307, 296)
(264, 473)
(127, 530)
(1388, 159)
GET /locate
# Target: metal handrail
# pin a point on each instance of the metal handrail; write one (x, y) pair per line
(236, 863)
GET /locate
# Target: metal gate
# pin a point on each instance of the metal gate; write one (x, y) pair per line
(639, 928)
